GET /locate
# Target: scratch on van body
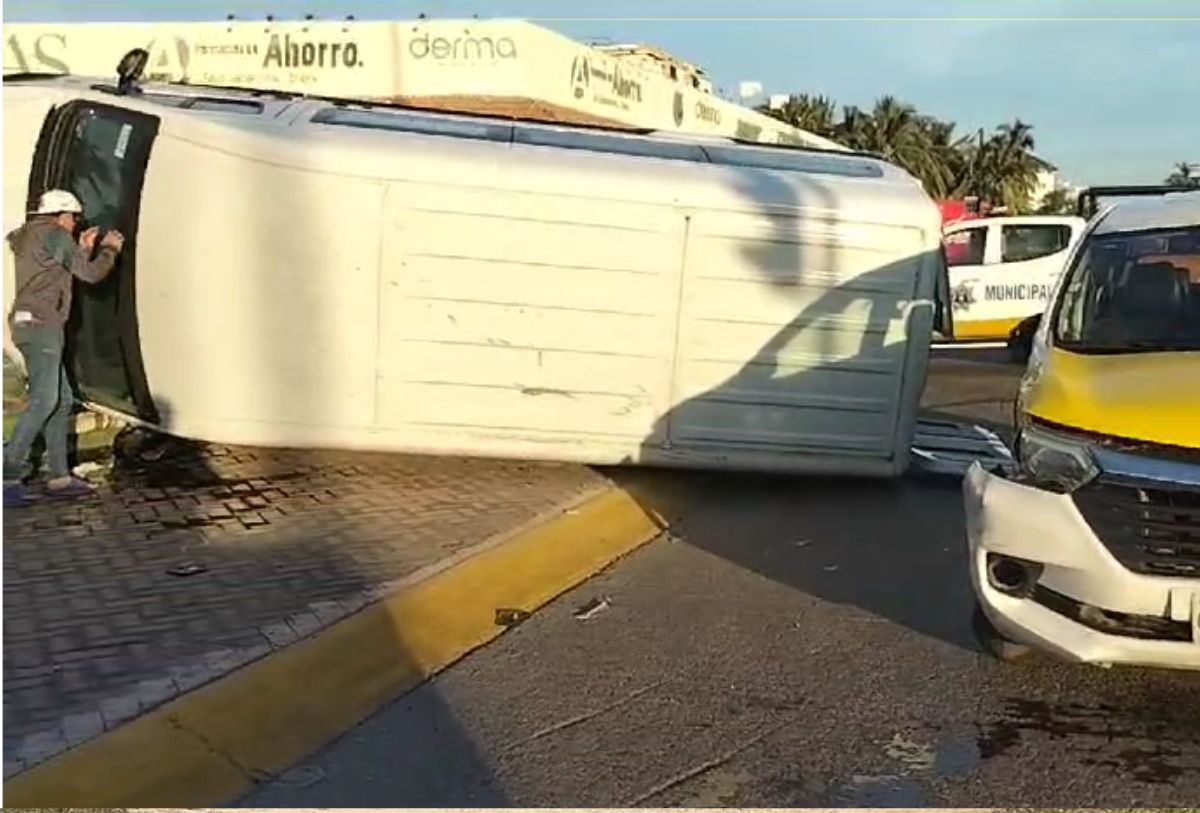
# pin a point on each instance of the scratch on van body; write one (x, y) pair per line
(536, 391)
(632, 402)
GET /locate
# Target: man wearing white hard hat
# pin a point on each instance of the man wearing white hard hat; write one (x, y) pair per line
(48, 259)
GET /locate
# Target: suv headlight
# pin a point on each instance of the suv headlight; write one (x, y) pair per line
(1056, 462)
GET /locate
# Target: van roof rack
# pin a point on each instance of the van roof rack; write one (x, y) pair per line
(1087, 203)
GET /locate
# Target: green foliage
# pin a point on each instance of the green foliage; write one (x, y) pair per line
(1000, 167)
(1058, 202)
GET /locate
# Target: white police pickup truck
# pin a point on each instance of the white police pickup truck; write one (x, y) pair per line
(1003, 271)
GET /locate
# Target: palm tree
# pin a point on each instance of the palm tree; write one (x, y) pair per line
(1004, 168)
(1059, 201)
(1184, 175)
(813, 114)
(853, 129)
(1000, 167)
(894, 131)
(949, 153)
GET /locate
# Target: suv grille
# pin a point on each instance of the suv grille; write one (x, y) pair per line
(1150, 527)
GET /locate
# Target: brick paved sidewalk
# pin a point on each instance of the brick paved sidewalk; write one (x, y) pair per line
(97, 629)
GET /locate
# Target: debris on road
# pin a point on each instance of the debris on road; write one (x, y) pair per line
(509, 617)
(84, 469)
(914, 755)
(593, 608)
(187, 569)
(303, 777)
(949, 448)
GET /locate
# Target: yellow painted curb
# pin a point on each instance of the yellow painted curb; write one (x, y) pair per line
(209, 747)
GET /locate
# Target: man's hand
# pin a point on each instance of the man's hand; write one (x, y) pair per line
(88, 239)
(113, 239)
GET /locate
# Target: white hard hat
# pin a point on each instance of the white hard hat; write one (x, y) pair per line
(56, 201)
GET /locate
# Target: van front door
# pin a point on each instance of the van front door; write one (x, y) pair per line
(100, 152)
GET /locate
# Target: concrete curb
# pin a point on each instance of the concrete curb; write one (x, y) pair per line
(211, 746)
(118, 709)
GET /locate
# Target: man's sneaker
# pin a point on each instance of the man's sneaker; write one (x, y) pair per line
(70, 487)
(16, 495)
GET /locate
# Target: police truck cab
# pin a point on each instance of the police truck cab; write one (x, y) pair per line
(1002, 270)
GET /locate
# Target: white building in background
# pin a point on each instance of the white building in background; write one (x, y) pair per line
(502, 67)
(1048, 180)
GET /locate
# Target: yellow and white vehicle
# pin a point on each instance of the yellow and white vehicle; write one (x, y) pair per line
(1002, 270)
(1092, 551)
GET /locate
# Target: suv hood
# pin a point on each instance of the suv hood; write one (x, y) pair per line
(1152, 397)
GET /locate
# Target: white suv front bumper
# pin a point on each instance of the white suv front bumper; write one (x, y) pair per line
(1010, 519)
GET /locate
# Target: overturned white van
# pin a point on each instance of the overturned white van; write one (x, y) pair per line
(310, 273)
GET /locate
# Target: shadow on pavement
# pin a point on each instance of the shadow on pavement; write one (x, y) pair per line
(827, 382)
(141, 597)
(893, 549)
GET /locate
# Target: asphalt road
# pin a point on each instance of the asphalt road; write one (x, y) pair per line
(791, 643)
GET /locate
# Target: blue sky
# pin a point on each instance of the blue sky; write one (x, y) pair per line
(1113, 100)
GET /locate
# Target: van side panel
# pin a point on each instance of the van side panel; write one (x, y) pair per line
(530, 316)
(793, 334)
(257, 297)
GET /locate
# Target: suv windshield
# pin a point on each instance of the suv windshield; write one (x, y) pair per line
(1133, 292)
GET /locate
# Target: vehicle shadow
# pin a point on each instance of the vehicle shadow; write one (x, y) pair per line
(189, 594)
(294, 370)
(889, 546)
(894, 550)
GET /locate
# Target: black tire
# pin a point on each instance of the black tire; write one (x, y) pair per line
(993, 643)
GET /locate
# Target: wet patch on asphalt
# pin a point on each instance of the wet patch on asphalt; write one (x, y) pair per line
(1153, 746)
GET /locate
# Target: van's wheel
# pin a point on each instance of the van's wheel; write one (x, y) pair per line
(993, 642)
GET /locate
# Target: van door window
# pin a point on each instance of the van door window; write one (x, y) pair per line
(100, 153)
(966, 246)
(1022, 243)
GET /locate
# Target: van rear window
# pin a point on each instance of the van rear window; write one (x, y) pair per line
(210, 104)
(422, 125)
(793, 161)
(620, 145)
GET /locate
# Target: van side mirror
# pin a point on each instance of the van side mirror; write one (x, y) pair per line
(130, 69)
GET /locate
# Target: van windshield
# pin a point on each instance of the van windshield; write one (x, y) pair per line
(1133, 292)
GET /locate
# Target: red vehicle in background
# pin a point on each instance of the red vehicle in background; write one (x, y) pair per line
(970, 208)
(956, 211)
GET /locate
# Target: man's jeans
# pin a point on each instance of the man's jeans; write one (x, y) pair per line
(51, 403)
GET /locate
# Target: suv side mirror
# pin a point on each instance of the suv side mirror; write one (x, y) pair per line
(943, 314)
